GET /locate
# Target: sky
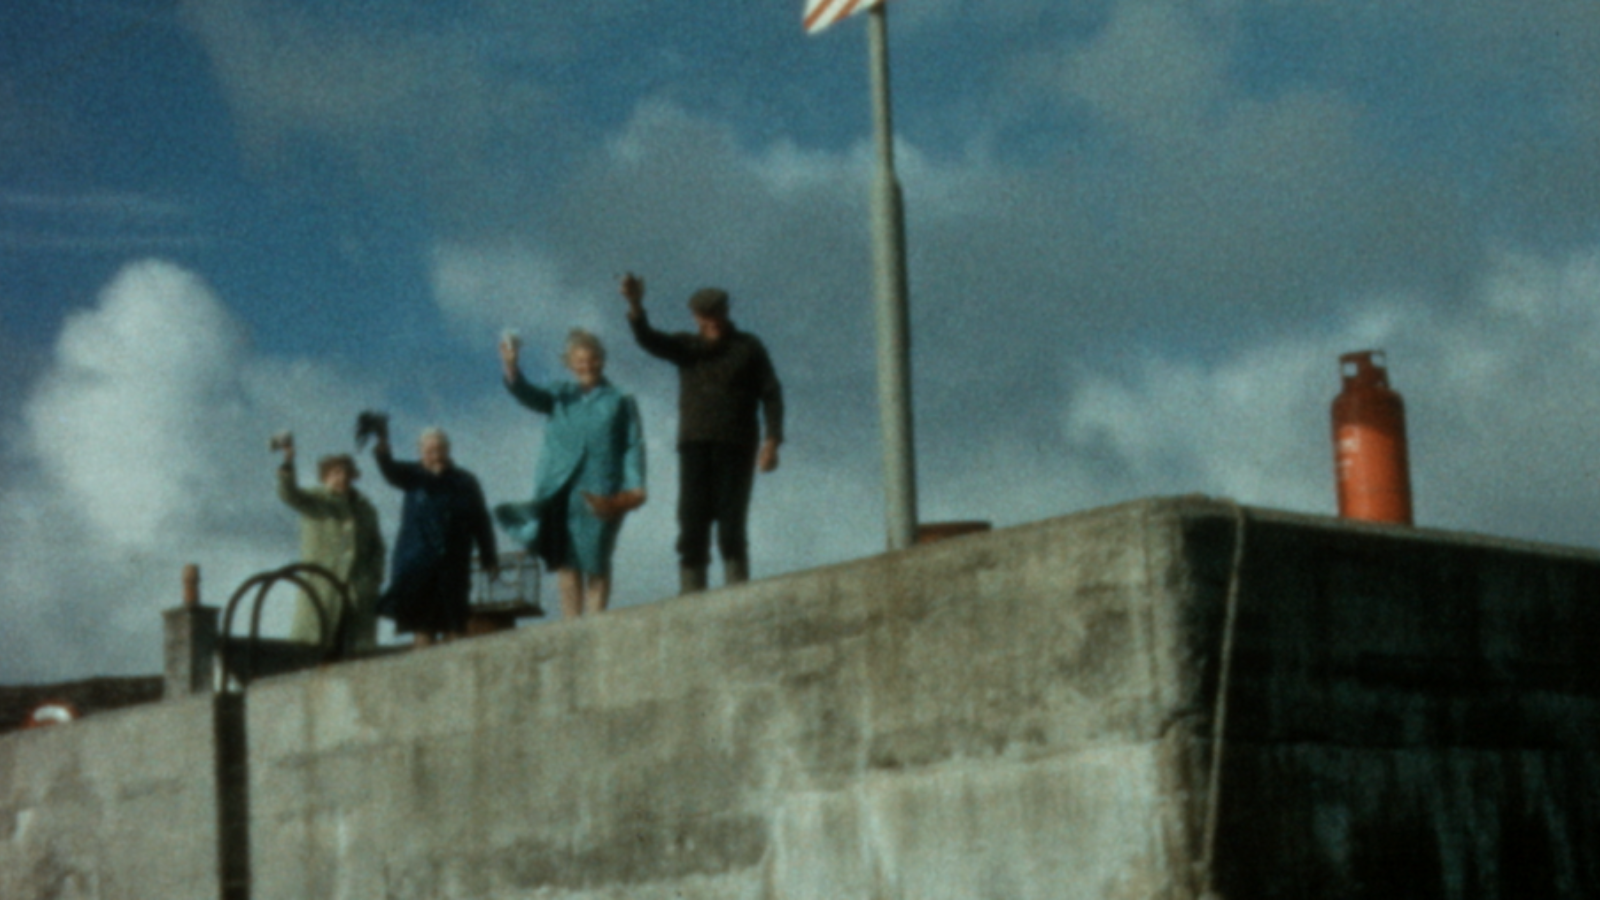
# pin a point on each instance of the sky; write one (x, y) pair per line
(1140, 233)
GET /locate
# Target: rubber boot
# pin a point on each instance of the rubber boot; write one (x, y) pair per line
(735, 571)
(691, 579)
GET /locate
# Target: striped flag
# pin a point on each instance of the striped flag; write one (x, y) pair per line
(822, 13)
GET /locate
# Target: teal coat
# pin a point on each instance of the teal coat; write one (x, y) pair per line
(594, 444)
(341, 535)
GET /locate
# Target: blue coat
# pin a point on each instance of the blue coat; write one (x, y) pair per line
(442, 518)
(593, 444)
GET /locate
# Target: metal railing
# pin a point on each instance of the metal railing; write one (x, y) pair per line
(496, 604)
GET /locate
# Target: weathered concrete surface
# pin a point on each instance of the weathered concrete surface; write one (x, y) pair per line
(1411, 714)
(118, 805)
(978, 718)
(1021, 714)
(89, 696)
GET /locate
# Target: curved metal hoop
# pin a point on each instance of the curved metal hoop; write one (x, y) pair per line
(263, 583)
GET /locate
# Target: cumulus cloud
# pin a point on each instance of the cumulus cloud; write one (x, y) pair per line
(518, 286)
(1154, 68)
(147, 377)
(1144, 293)
(1499, 409)
(142, 448)
(1020, 415)
(1196, 203)
(1185, 187)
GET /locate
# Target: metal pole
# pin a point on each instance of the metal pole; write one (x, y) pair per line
(894, 331)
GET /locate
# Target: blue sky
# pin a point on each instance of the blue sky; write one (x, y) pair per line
(1140, 233)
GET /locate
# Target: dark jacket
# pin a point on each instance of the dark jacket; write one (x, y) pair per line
(720, 385)
(441, 519)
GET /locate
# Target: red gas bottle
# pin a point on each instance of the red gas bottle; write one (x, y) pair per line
(1369, 443)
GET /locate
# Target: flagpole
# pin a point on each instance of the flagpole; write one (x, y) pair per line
(891, 311)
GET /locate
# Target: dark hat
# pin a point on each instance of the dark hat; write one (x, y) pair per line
(335, 460)
(709, 302)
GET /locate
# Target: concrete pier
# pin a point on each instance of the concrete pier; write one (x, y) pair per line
(1124, 703)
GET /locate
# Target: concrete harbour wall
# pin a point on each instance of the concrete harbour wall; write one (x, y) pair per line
(1028, 713)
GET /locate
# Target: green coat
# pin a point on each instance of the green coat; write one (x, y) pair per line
(341, 535)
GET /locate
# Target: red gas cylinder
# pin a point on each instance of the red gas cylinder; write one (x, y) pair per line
(1369, 443)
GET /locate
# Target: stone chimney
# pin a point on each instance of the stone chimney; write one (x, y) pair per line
(191, 642)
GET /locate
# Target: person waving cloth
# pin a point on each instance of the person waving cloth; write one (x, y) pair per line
(590, 474)
(339, 532)
(442, 518)
(725, 376)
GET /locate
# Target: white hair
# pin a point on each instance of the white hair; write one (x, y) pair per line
(580, 339)
(434, 433)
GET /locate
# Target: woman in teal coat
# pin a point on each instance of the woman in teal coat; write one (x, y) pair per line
(590, 472)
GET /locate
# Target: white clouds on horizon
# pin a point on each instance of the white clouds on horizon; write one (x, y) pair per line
(1152, 68)
(1154, 306)
(1188, 189)
(143, 450)
(1501, 411)
(145, 377)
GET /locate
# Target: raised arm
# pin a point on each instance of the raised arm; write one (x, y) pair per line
(297, 499)
(404, 476)
(302, 502)
(671, 348)
(537, 399)
(530, 395)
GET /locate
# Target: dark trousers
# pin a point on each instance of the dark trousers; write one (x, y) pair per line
(714, 482)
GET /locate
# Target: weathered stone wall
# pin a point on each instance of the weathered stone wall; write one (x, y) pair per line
(1410, 714)
(119, 805)
(1021, 714)
(88, 697)
(976, 719)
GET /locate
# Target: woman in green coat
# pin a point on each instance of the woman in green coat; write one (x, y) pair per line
(338, 531)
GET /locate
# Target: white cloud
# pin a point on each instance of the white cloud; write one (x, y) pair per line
(143, 448)
(1154, 69)
(1021, 414)
(1500, 411)
(1148, 299)
(146, 379)
(1253, 428)
(516, 286)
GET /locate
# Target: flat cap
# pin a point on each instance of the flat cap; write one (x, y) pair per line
(709, 302)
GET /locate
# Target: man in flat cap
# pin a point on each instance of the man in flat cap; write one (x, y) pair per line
(724, 377)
